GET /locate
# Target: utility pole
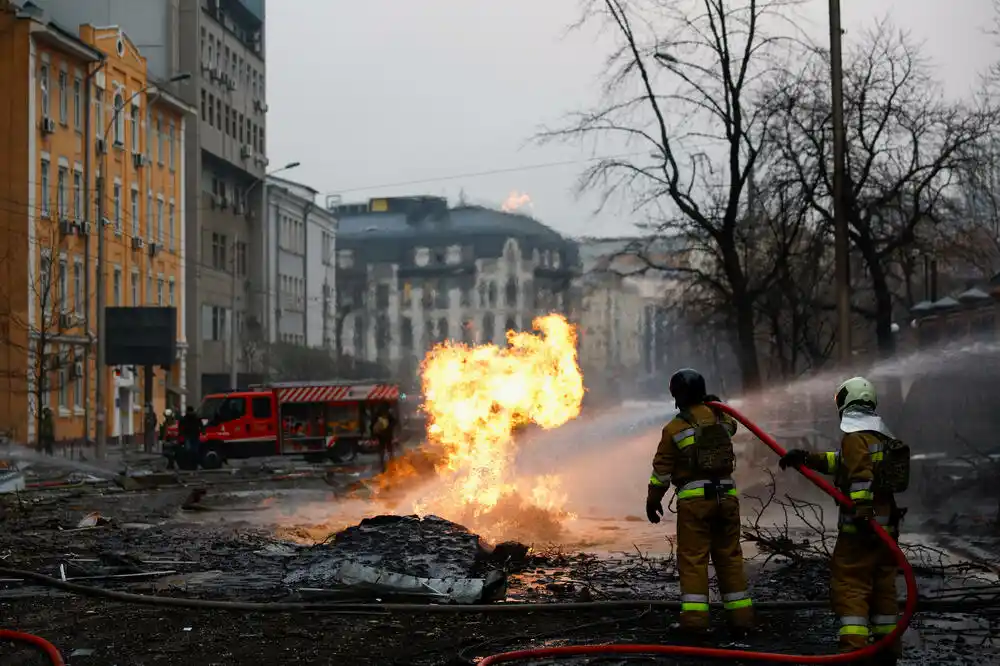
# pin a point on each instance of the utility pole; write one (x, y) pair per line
(102, 375)
(841, 244)
(233, 371)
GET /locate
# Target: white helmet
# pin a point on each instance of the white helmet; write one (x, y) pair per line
(856, 390)
(168, 412)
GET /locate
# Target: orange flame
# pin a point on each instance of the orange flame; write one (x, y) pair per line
(514, 201)
(475, 398)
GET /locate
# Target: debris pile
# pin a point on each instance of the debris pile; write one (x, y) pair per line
(405, 556)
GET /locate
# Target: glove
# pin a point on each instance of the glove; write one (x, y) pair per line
(654, 503)
(794, 458)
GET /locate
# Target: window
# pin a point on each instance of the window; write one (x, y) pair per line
(171, 292)
(135, 287)
(136, 122)
(61, 203)
(260, 140)
(218, 323)
(149, 215)
(78, 287)
(219, 252)
(119, 120)
(253, 83)
(159, 291)
(99, 112)
(170, 224)
(78, 392)
(240, 123)
(63, 379)
(116, 287)
(218, 112)
(63, 98)
(159, 221)
(43, 81)
(46, 212)
(158, 135)
(136, 232)
(45, 278)
(203, 104)
(228, 124)
(261, 408)
(170, 147)
(241, 259)
(248, 135)
(149, 287)
(118, 207)
(63, 295)
(77, 104)
(77, 196)
(211, 109)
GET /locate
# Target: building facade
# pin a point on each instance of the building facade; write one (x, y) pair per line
(412, 272)
(88, 108)
(221, 44)
(303, 257)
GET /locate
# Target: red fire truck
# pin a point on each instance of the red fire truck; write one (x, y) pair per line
(323, 421)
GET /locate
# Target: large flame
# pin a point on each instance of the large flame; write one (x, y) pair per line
(476, 398)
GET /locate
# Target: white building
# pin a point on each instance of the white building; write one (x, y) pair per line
(301, 274)
(413, 272)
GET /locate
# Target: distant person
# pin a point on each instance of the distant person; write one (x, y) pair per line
(149, 436)
(696, 454)
(870, 468)
(46, 432)
(384, 431)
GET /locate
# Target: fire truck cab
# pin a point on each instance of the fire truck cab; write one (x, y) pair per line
(322, 421)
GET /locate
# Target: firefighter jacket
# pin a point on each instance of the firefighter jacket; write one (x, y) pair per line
(671, 465)
(852, 468)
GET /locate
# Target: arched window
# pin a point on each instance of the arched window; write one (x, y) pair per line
(442, 329)
(493, 294)
(511, 325)
(488, 326)
(510, 293)
(119, 119)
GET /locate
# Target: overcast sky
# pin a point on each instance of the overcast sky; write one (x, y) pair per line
(397, 97)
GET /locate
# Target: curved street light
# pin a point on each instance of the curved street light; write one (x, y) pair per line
(101, 427)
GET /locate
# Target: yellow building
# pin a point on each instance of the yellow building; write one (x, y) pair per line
(50, 238)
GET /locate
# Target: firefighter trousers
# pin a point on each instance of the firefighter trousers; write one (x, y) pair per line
(863, 592)
(710, 527)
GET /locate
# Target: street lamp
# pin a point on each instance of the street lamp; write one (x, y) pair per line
(262, 181)
(102, 378)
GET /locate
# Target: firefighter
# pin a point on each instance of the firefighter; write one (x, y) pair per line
(870, 467)
(696, 454)
(46, 432)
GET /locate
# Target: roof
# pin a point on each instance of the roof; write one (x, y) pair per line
(164, 96)
(56, 35)
(390, 237)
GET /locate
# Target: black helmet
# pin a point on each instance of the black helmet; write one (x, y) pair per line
(687, 386)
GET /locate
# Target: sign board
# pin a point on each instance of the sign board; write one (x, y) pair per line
(140, 336)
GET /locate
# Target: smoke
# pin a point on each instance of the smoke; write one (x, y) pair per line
(515, 201)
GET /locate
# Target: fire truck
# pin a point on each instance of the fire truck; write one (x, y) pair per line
(322, 421)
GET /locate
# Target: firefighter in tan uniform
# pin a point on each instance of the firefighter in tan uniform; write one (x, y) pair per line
(871, 466)
(696, 455)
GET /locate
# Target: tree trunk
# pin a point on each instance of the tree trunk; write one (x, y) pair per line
(886, 339)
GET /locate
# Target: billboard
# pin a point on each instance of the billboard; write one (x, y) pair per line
(140, 336)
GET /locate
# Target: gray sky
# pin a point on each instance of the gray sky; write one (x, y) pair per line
(371, 94)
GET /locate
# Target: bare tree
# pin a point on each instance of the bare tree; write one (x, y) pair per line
(905, 146)
(682, 88)
(42, 328)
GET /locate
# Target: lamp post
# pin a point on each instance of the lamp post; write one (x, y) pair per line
(102, 377)
(262, 181)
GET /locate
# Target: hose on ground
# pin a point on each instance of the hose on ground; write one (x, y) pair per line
(741, 655)
(48, 649)
(354, 608)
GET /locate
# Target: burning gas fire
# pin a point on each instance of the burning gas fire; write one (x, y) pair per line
(476, 398)
(515, 201)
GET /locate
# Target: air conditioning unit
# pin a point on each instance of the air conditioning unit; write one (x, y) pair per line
(101, 146)
(153, 249)
(66, 321)
(138, 160)
(138, 243)
(256, 105)
(77, 370)
(217, 73)
(48, 125)
(246, 152)
(231, 82)
(82, 228)
(67, 227)
(105, 222)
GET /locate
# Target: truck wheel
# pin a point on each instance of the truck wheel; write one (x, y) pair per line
(211, 459)
(344, 451)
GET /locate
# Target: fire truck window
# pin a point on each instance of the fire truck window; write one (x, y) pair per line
(234, 408)
(261, 408)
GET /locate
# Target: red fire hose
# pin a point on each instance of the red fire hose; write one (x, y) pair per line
(718, 653)
(47, 648)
